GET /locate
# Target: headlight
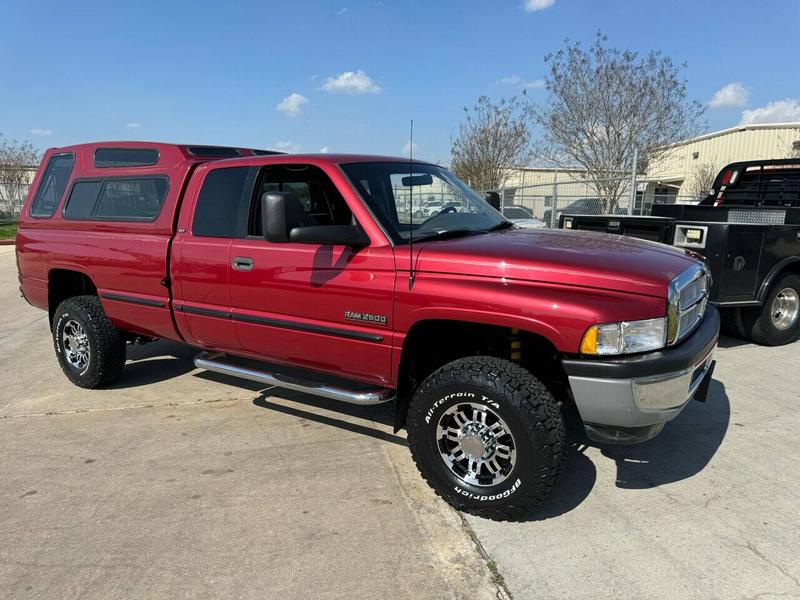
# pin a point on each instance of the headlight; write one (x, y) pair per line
(626, 337)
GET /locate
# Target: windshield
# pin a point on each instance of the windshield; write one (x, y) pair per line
(422, 200)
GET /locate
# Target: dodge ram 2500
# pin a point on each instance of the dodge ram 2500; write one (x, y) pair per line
(318, 273)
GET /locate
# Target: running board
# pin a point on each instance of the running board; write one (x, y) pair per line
(221, 363)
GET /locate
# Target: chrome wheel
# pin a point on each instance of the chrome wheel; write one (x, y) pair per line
(785, 308)
(476, 444)
(76, 344)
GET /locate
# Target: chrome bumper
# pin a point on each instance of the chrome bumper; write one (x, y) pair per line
(635, 410)
(628, 400)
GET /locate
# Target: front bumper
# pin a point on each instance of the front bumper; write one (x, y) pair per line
(627, 400)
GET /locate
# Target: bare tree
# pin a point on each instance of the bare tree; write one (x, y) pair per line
(494, 138)
(702, 180)
(604, 102)
(16, 160)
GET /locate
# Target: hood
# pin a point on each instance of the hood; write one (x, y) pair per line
(581, 258)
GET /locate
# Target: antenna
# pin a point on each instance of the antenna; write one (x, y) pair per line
(411, 207)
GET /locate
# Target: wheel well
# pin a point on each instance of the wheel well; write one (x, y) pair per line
(432, 344)
(63, 284)
(791, 268)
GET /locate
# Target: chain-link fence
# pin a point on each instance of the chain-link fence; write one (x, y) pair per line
(547, 202)
(12, 195)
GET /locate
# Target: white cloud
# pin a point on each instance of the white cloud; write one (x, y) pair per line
(132, 125)
(286, 146)
(516, 80)
(351, 82)
(510, 80)
(536, 84)
(341, 11)
(409, 147)
(782, 111)
(733, 94)
(534, 5)
(324, 150)
(41, 131)
(292, 105)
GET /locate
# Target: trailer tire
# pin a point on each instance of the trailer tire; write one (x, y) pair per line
(90, 350)
(777, 321)
(487, 436)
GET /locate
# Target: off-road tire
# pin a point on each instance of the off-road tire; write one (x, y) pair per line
(758, 321)
(106, 343)
(528, 409)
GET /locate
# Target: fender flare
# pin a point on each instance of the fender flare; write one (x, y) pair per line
(773, 274)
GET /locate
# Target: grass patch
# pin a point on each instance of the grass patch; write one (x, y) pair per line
(8, 231)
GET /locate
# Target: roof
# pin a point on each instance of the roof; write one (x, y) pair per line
(231, 154)
(738, 128)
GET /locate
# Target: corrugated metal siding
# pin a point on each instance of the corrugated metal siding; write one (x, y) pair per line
(679, 165)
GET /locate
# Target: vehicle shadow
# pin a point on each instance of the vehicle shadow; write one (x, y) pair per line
(726, 341)
(382, 414)
(683, 449)
(154, 362)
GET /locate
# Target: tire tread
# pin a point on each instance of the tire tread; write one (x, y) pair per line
(539, 413)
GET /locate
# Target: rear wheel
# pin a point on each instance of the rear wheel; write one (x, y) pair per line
(777, 321)
(90, 350)
(487, 436)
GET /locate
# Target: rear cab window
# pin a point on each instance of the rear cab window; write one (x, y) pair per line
(51, 189)
(222, 203)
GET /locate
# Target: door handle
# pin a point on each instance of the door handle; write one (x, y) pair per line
(242, 263)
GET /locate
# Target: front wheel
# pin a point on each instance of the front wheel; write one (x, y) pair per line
(487, 436)
(90, 350)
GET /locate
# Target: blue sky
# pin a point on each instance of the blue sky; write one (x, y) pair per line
(348, 76)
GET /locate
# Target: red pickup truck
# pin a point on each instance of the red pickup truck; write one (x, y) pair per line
(318, 273)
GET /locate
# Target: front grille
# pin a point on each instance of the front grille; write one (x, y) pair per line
(689, 297)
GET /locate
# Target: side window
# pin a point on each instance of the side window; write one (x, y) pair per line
(218, 205)
(123, 199)
(82, 199)
(54, 181)
(321, 201)
(125, 157)
(132, 199)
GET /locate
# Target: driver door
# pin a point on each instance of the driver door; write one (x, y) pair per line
(324, 307)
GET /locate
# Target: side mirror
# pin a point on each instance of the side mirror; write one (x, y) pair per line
(341, 235)
(280, 213)
(493, 198)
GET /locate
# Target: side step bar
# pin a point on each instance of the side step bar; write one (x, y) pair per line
(219, 363)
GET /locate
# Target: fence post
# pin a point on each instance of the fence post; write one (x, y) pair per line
(632, 199)
(553, 217)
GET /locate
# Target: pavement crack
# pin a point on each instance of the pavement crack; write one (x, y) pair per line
(80, 411)
(752, 548)
(503, 593)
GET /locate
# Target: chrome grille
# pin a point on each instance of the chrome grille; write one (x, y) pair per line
(689, 297)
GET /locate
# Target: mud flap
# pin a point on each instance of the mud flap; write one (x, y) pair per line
(702, 391)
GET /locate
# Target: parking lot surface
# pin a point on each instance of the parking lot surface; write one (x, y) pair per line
(179, 483)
